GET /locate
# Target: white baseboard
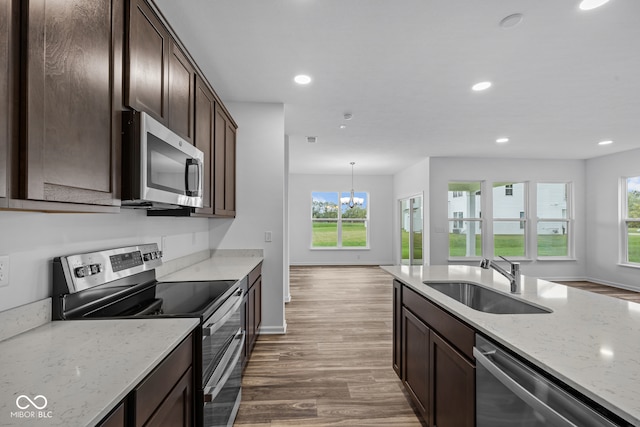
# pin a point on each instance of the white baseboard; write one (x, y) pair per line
(273, 330)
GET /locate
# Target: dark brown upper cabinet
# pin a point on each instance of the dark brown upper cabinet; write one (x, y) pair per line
(181, 93)
(71, 105)
(9, 72)
(159, 78)
(224, 165)
(147, 64)
(205, 110)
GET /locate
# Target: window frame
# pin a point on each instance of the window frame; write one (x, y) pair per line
(625, 219)
(521, 219)
(568, 219)
(528, 222)
(339, 223)
(455, 220)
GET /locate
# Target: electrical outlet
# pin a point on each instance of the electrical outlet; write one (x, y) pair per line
(4, 270)
(267, 236)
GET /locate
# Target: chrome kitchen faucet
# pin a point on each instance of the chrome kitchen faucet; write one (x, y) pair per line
(513, 275)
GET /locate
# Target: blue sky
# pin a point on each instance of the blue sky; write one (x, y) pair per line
(633, 183)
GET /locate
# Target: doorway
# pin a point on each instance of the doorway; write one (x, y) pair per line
(411, 226)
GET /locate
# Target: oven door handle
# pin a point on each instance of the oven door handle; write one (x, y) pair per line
(228, 309)
(210, 392)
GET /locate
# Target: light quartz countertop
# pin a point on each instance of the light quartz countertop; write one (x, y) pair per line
(223, 265)
(590, 341)
(83, 368)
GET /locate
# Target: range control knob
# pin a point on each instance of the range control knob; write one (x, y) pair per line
(147, 256)
(96, 268)
(82, 271)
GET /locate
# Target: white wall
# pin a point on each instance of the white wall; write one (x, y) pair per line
(260, 202)
(603, 218)
(443, 170)
(409, 182)
(380, 189)
(33, 239)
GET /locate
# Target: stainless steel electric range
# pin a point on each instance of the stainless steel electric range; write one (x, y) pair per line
(121, 283)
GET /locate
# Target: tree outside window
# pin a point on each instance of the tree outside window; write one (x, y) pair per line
(335, 224)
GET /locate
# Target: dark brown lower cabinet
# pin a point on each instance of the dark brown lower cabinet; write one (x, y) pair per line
(177, 408)
(415, 366)
(254, 308)
(397, 329)
(453, 386)
(117, 418)
(167, 393)
(436, 363)
(165, 398)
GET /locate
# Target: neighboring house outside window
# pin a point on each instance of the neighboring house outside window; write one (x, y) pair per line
(513, 233)
(553, 212)
(631, 220)
(509, 219)
(335, 224)
(465, 230)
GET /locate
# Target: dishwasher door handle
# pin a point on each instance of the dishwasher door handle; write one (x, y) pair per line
(520, 391)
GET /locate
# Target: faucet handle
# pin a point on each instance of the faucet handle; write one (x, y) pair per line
(485, 263)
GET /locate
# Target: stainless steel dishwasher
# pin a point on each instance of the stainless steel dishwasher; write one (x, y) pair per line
(511, 394)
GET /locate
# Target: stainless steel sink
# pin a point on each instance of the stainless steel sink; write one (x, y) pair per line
(485, 299)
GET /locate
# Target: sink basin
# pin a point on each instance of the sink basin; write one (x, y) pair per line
(484, 299)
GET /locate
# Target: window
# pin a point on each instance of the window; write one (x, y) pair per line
(553, 220)
(631, 220)
(509, 219)
(335, 224)
(465, 231)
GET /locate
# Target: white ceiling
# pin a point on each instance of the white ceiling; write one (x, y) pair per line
(563, 79)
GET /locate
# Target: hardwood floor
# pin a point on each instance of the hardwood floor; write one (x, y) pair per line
(605, 290)
(333, 367)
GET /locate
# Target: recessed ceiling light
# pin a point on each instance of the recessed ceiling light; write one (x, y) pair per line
(302, 79)
(591, 4)
(502, 140)
(481, 86)
(312, 139)
(607, 142)
(348, 116)
(511, 20)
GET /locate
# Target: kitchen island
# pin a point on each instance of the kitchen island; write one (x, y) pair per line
(589, 341)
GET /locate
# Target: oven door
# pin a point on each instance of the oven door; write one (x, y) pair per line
(218, 331)
(222, 393)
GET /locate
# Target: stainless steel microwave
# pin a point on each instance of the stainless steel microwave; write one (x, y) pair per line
(159, 168)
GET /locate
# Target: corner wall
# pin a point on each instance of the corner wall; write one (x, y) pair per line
(260, 202)
(409, 182)
(603, 219)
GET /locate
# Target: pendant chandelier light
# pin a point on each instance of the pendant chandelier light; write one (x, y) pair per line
(352, 202)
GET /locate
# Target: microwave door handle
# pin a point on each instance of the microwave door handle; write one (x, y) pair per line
(518, 390)
(198, 190)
